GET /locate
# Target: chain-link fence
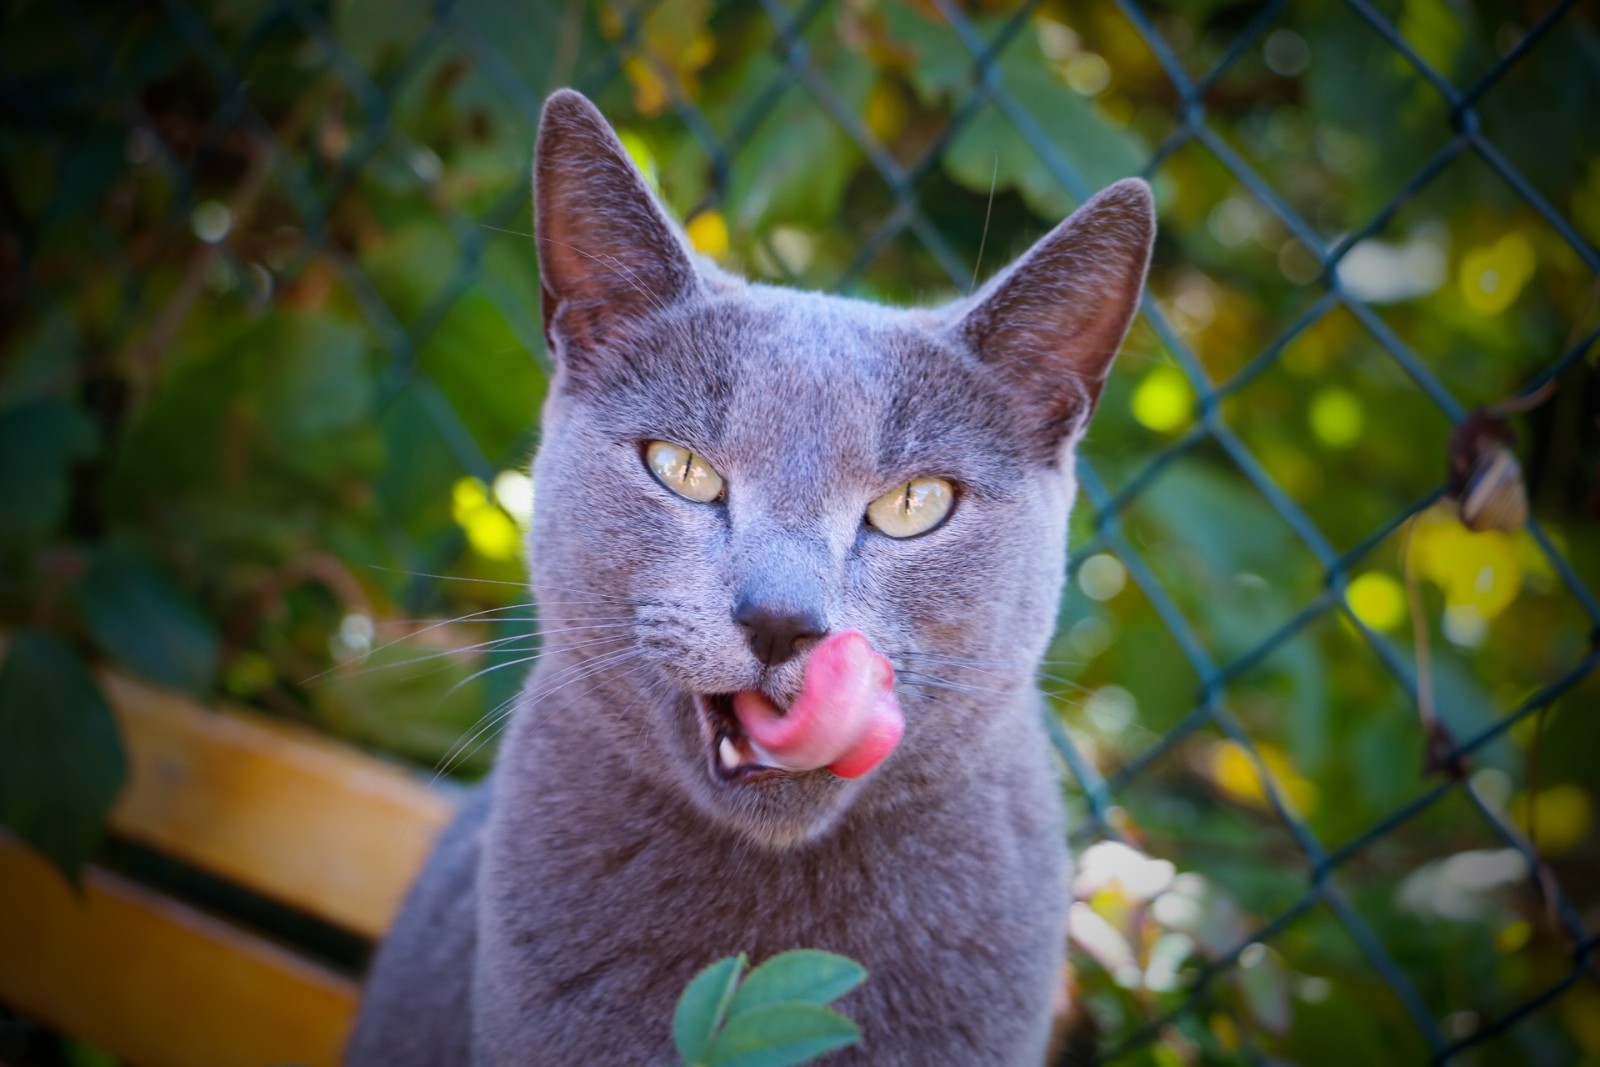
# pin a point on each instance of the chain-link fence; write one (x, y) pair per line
(265, 159)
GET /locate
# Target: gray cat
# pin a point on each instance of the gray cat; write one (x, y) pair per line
(773, 532)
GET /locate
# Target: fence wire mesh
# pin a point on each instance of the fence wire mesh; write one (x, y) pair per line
(298, 130)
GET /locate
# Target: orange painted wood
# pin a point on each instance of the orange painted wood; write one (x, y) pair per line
(296, 816)
(155, 982)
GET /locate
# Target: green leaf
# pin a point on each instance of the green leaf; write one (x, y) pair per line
(942, 65)
(61, 762)
(142, 619)
(41, 362)
(38, 445)
(778, 1035)
(799, 161)
(1266, 991)
(992, 148)
(314, 383)
(703, 1006)
(808, 975)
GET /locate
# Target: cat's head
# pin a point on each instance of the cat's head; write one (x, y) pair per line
(712, 451)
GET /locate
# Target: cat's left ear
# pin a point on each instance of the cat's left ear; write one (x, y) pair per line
(1052, 321)
(609, 257)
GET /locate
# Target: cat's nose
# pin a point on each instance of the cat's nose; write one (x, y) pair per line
(776, 628)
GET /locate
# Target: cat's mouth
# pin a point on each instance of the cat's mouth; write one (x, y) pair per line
(845, 718)
(733, 755)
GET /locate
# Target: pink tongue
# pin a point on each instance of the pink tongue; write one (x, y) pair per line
(846, 717)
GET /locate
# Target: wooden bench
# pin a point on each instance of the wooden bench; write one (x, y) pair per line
(285, 813)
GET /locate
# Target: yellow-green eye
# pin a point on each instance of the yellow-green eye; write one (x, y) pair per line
(912, 507)
(683, 472)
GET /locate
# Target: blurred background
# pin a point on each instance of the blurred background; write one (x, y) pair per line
(272, 366)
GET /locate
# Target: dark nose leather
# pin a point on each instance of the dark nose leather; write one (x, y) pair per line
(776, 628)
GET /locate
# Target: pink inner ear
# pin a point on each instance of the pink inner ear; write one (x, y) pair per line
(1051, 322)
(846, 718)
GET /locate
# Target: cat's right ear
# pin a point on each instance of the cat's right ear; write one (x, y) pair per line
(608, 254)
(1052, 321)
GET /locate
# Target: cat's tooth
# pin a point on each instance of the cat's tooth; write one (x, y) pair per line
(728, 754)
(767, 759)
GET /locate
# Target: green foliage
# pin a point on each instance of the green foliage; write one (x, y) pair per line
(39, 443)
(778, 1015)
(141, 618)
(230, 464)
(61, 764)
(1001, 150)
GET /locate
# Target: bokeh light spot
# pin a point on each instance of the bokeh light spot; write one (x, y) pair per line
(513, 490)
(1336, 418)
(1163, 400)
(1102, 576)
(1088, 74)
(1090, 636)
(639, 151)
(1111, 708)
(1493, 275)
(1286, 53)
(211, 221)
(1377, 600)
(708, 232)
(489, 530)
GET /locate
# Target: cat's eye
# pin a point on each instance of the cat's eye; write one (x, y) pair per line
(683, 472)
(913, 507)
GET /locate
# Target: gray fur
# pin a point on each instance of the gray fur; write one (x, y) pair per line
(612, 866)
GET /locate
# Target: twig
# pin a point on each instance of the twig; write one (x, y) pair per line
(1439, 746)
(143, 354)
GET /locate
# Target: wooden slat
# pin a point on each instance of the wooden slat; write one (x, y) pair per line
(156, 982)
(293, 815)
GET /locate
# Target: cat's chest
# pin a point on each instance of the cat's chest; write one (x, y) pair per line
(581, 938)
(661, 886)
(598, 906)
(662, 877)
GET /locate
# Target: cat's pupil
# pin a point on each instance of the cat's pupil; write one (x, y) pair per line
(682, 471)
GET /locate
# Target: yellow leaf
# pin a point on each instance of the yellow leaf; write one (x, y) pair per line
(1482, 571)
(885, 112)
(674, 45)
(1513, 936)
(467, 497)
(1557, 818)
(1492, 276)
(649, 91)
(1235, 773)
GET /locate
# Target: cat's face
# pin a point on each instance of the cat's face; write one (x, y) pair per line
(800, 410)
